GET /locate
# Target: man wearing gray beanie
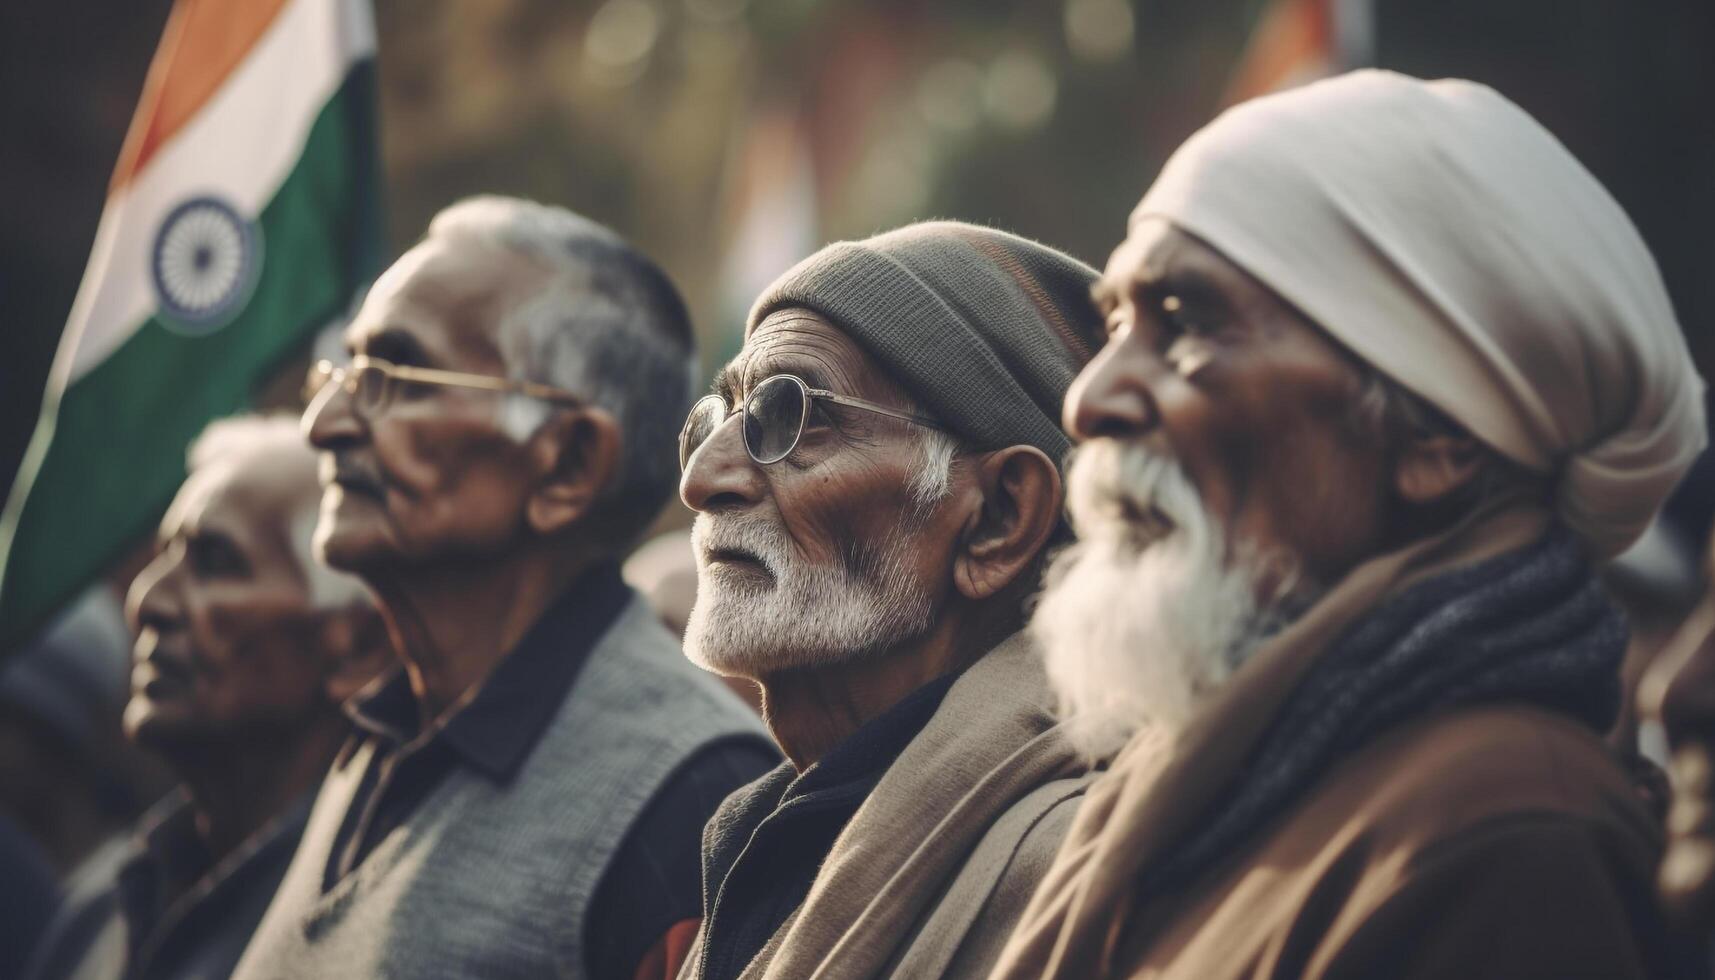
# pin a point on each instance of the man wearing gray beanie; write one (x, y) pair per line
(866, 535)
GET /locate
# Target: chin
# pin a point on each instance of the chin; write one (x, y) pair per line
(353, 546)
(742, 633)
(738, 633)
(157, 726)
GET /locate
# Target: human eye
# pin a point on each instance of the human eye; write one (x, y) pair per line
(216, 556)
(407, 389)
(1116, 321)
(1189, 336)
(1182, 319)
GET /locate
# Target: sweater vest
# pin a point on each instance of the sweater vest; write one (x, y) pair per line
(494, 880)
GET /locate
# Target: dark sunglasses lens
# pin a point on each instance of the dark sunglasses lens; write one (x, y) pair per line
(706, 415)
(773, 414)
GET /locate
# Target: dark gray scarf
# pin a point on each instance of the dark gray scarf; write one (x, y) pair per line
(1532, 625)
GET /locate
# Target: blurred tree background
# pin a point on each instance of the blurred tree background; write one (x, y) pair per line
(731, 137)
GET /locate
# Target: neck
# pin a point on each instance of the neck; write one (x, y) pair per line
(451, 625)
(809, 710)
(236, 785)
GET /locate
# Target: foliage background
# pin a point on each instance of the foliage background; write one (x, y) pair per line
(730, 137)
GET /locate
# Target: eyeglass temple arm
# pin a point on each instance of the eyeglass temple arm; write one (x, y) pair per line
(851, 402)
(405, 372)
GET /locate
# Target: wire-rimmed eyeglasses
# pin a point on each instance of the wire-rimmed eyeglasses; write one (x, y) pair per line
(372, 382)
(775, 416)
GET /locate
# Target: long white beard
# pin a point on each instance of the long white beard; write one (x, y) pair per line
(1147, 612)
(809, 615)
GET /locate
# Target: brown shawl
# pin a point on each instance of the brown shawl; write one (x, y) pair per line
(1154, 793)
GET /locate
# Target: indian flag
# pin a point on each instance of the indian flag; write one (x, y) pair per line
(242, 216)
(1299, 41)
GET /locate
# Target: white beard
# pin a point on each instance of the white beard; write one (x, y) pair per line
(808, 615)
(1146, 613)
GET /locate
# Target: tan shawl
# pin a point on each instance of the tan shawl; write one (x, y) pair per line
(943, 840)
(1154, 792)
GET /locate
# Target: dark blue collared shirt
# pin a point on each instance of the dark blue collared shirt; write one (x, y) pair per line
(784, 825)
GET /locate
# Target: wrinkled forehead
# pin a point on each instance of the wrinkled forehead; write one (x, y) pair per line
(443, 303)
(253, 498)
(1158, 259)
(805, 343)
(1156, 250)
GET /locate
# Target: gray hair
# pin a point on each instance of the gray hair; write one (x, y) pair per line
(1388, 413)
(277, 440)
(932, 480)
(608, 327)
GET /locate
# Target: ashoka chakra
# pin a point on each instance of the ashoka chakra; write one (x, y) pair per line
(204, 264)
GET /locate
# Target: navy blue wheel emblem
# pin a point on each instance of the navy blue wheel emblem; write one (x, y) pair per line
(204, 265)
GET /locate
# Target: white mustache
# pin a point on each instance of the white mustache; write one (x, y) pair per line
(1127, 488)
(741, 533)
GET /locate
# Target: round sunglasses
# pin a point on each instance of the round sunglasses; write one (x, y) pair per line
(775, 416)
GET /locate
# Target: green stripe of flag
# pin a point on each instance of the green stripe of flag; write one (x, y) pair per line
(117, 455)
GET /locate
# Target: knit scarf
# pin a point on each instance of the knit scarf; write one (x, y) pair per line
(1532, 625)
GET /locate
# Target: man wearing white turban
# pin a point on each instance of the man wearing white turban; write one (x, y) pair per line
(1388, 376)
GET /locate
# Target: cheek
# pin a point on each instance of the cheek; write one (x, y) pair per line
(450, 480)
(816, 509)
(831, 512)
(1213, 451)
(1269, 445)
(268, 663)
(1322, 492)
(255, 649)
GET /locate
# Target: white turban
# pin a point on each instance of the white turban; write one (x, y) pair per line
(1443, 236)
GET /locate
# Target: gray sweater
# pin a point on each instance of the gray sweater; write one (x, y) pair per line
(494, 880)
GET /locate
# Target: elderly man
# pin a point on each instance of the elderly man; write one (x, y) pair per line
(867, 529)
(245, 648)
(527, 797)
(1387, 374)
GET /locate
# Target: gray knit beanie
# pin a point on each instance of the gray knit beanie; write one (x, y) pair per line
(984, 328)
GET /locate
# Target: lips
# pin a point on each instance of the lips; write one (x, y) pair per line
(736, 559)
(354, 478)
(161, 673)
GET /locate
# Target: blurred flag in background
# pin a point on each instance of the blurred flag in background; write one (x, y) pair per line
(242, 215)
(1298, 41)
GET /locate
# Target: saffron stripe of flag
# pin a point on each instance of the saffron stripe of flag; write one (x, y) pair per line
(243, 215)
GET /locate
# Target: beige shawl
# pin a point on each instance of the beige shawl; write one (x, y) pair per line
(929, 875)
(1152, 794)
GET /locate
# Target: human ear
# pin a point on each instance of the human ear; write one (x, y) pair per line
(1020, 507)
(356, 649)
(1432, 467)
(574, 455)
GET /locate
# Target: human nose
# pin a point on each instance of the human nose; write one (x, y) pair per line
(153, 600)
(1112, 396)
(329, 422)
(720, 473)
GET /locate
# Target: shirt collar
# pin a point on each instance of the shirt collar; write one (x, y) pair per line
(167, 855)
(498, 727)
(170, 867)
(877, 743)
